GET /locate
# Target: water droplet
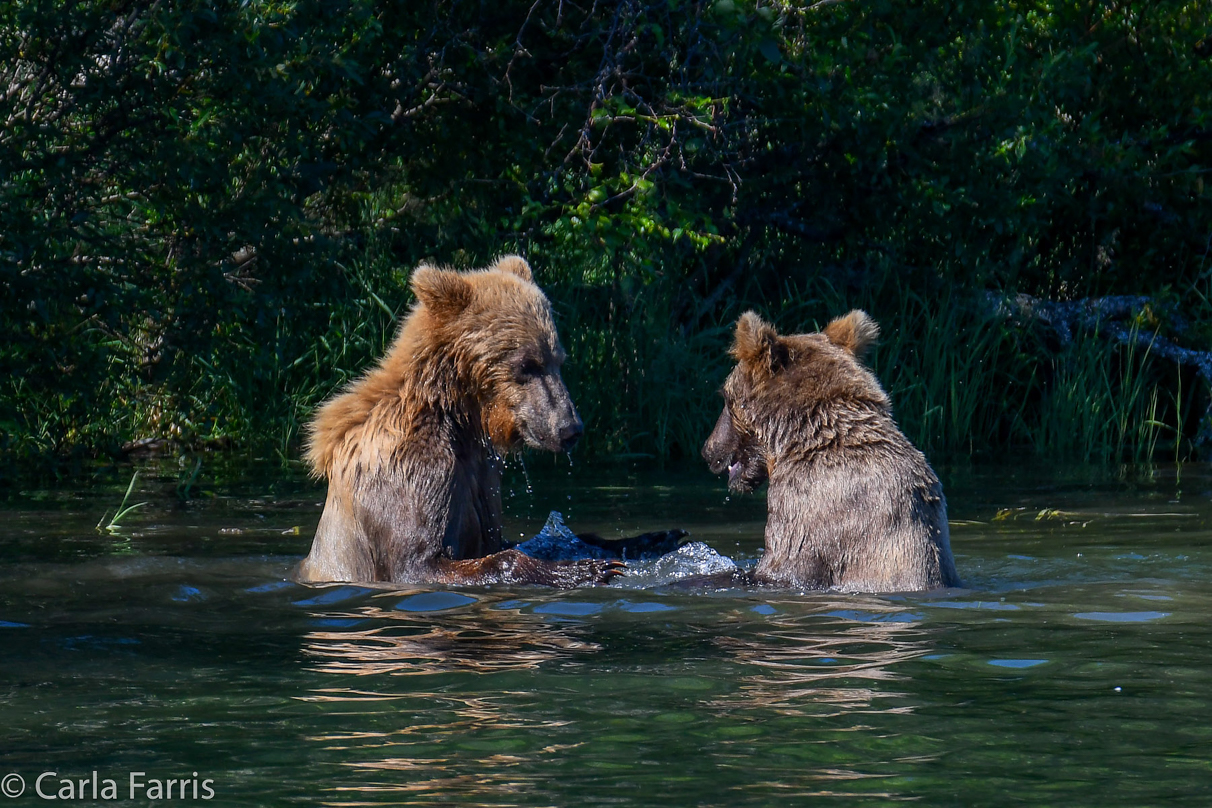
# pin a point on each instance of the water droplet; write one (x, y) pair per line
(525, 475)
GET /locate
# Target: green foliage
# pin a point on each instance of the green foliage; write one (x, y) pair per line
(209, 208)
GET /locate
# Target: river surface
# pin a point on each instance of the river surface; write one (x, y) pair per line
(1074, 669)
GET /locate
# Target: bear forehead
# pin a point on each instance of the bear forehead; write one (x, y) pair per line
(812, 362)
(738, 386)
(811, 344)
(510, 313)
(812, 352)
(816, 352)
(508, 293)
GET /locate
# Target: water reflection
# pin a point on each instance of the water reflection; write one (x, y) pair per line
(431, 638)
(820, 661)
(785, 657)
(502, 780)
(442, 740)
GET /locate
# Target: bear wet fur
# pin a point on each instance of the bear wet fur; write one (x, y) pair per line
(412, 451)
(851, 504)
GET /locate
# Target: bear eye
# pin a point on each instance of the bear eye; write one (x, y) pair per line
(530, 368)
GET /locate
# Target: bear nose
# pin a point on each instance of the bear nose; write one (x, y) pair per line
(570, 434)
(715, 462)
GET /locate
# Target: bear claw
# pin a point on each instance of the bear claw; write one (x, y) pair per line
(610, 570)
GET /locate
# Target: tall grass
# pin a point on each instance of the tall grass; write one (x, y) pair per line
(1106, 402)
(643, 388)
(960, 381)
(271, 395)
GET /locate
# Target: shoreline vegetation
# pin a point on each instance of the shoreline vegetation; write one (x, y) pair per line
(208, 211)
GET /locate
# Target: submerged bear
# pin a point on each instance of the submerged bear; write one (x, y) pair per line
(412, 450)
(852, 504)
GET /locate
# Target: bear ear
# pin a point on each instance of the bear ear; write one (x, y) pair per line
(758, 346)
(855, 332)
(514, 265)
(442, 291)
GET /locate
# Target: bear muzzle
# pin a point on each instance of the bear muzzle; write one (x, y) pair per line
(728, 449)
(718, 450)
(571, 433)
(546, 417)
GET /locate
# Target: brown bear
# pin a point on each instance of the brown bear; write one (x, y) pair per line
(413, 450)
(852, 505)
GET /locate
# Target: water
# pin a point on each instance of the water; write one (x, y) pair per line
(1073, 670)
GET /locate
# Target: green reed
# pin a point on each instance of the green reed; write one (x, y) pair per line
(1108, 402)
(643, 387)
(964, 380)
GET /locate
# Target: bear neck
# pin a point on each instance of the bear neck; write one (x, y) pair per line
(825, 426)
(442, 396)
(802, 445)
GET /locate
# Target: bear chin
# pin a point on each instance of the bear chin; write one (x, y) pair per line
(746, 475)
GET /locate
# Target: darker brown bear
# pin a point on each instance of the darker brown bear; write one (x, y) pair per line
(852, 504)
(412, 450)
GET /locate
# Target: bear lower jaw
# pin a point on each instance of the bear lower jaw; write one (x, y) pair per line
(742, 480)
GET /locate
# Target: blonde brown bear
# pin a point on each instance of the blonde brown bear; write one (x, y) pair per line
(412, 450)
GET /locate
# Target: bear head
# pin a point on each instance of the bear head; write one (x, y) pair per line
(788, 394)
(490, 338)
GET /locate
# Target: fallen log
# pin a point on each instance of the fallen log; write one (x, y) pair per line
(1116, 318)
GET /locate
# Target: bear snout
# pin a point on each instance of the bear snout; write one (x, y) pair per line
(716, 462)
(546, 418)
(718, 449)
(570, 433)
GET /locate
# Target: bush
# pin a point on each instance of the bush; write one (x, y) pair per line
(210, 208)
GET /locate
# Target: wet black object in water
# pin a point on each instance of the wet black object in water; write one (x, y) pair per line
(556, 542)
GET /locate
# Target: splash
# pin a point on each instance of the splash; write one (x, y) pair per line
(692, 560)
(557, 542)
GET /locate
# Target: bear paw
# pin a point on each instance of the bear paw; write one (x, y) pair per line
(569, 574)
(513, 567)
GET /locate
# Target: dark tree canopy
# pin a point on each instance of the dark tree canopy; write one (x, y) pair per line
(208, 209)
